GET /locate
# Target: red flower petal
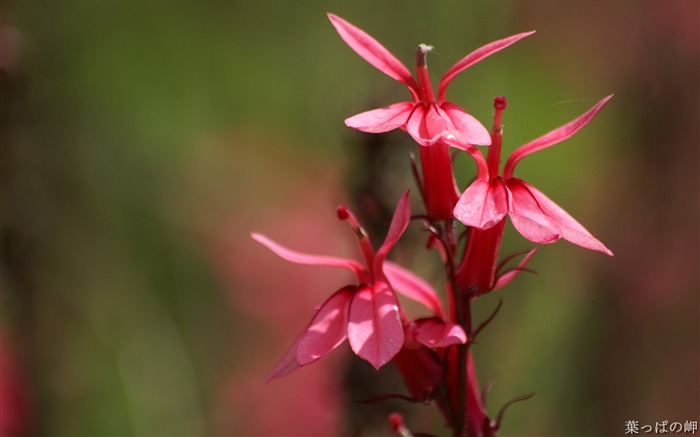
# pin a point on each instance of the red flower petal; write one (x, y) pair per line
(314, 346)
(468, 130)
(474, 57)
(287, 364)
(528, 218)
(399, 223)
(482, 205)
(434, 332)
(374, 329)
(569, 228)
(382, 119)
(556, 136)
(407, 283)
(328, 328)
(303, 258)
(427, 126)
(373, 52)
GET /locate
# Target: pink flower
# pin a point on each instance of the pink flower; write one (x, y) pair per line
(366, 313)
(485, 203)
(426, 118)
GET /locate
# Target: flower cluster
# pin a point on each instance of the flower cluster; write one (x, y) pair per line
(433, 354)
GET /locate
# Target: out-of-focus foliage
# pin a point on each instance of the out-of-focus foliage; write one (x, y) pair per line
(142, 141)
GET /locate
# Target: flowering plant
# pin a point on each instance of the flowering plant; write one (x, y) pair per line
(433, 354)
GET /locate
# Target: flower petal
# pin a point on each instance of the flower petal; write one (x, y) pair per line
(434, 332)
(328, 328)
(373, 52)
(569, 228)
(374, 329)
(399, 223)
(287, 364)
(482, 205)
(556, 136)
(468, 130)
(382, 119)
(316, 345)
(474, 57)
(527, 216)
(407, 283)
(427, 126)
(303, 258)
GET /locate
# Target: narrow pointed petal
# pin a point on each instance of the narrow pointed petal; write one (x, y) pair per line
(556, 136)
(374, 328)
(399, 223)
(434, 332)
(527, 216)
(474, 57)
(425, 125)
(482, 205)
(287, 364)
(413, 287)
(303, 258)
(312, 344)
(373, 52)
(569, 228)
(507, 276)
(328, 328)
(382, 119)
(468, 130)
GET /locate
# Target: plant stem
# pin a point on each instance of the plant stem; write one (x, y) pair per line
(464, 319)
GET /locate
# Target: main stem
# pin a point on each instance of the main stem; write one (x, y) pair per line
(460, 300)
(464, 319)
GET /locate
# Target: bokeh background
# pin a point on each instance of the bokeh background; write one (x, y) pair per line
(143, 140)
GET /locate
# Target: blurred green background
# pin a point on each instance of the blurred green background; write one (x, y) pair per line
(143, 140)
